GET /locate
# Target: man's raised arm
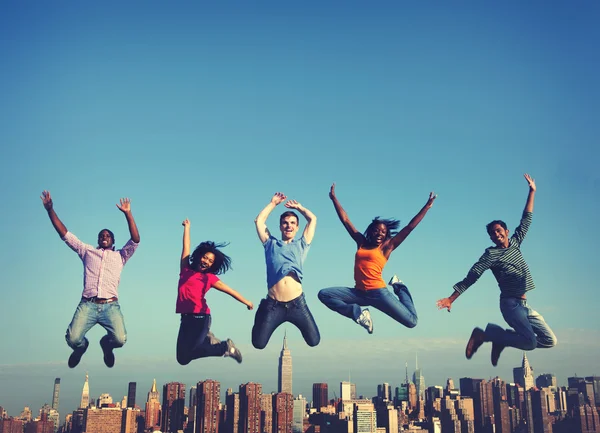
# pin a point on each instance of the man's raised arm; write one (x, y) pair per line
(125, 207)
(261, 220)
(56, 222)
(311, 218)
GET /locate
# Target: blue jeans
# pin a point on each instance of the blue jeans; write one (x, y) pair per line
(347, 301)
(88, 314)
(193, 341)
(272, 313)
(530, 329)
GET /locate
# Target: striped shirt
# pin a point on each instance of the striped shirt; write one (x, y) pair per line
(101, 268)
(507, 265)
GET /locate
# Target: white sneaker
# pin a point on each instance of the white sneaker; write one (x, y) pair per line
(395, 280)
(365, 321)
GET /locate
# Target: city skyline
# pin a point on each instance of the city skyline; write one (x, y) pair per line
(204, 110)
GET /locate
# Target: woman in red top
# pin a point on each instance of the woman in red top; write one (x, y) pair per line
(198, 274)
(374, 248)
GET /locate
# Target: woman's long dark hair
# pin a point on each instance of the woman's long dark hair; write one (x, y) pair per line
(222, 261)
(391, 225)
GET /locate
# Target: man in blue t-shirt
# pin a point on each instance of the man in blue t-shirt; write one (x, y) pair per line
(284, 258)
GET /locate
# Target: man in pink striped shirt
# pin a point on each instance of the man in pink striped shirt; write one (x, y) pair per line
(102, 272)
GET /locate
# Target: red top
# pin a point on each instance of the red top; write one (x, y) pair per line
(192, 290)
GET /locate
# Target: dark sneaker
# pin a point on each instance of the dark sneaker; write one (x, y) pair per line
(365, 321)
(233, 352)
(109, 356)
(476, 340)
(76, 356)
(496, 351)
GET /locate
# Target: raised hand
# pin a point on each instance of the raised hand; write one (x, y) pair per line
(432, 197)
(530, 181)
(332, 191)
(444, 303)
(186, 223)
(278, 198)
(46, 200)
(124, 205)
(250, 305)
(293, 204)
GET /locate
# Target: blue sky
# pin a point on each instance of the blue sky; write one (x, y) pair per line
(204, 110)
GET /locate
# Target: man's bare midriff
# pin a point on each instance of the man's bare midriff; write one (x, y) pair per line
(286, 289)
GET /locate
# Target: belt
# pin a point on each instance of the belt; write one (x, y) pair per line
(96, 300)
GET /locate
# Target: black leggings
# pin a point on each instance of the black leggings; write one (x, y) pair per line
(192, 341)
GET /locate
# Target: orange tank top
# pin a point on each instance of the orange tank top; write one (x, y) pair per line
(368, 267)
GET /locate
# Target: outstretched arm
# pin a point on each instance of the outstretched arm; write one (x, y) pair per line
(220, 285)
(311, 225)
(261, 219)
(402, 234)
(531, 195)
(343, 216)
(447, 302)
(56, 222)
(185, 250)
(125, 207)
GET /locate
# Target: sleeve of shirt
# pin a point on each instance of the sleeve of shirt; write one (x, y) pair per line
(521, 231)
(212, 279)
(75, 244)
(483, 264)
(268, 241)
(128, 250)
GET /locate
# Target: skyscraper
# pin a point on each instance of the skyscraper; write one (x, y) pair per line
(153, 407)
(320, 396)
(283, 412)
(419, 380)
(208, 395)
(131, 394)
(85, 394)
(55, 394)
(232, 404)
(285, 369)
(250, 394)
(172, 407)
(524, 375)
(299, 413)
(345, 391)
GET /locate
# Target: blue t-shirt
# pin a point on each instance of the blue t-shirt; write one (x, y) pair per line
(283, 258)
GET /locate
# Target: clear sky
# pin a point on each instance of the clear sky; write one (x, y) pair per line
(203, 110)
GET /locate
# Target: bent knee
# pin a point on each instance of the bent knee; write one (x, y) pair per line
(183, 360)
(322, 294)
(119, 340)
(531, 344)
(412, 323)
(259, 344)
(314, 342)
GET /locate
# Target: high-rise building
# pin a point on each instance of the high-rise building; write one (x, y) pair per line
(266, 413)
(232, 405)
(345, 391)
(208, 395)
(595, 381)
(173, 407)
(500, 406)
(103, 420)
(419, 380)
(153, 407)
(130, 420)
(285, 369)
(541, 420)
(299, 414)
(250, 407)
(365, 418)
(192, 410)
(131, 394)
(320, 396)
(85, 393)
(56, 393)
(545, 380)
(384, 391)
(283, 412)
(104, 400)
(523, 375)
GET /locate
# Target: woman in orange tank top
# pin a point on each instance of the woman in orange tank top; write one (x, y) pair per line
(374, 248)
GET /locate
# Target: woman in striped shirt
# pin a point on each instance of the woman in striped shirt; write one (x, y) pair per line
(514, 279)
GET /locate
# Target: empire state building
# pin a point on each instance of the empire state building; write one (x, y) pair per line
(285, 369)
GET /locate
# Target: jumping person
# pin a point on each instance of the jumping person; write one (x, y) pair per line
(102, 267)
(513, 277)
(198, 273)
(374, 248)
(284, 258)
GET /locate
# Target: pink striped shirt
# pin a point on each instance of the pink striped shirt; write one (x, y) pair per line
(101, 268)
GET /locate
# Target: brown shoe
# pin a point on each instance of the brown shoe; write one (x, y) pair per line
(496, 351)
(476, 340)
